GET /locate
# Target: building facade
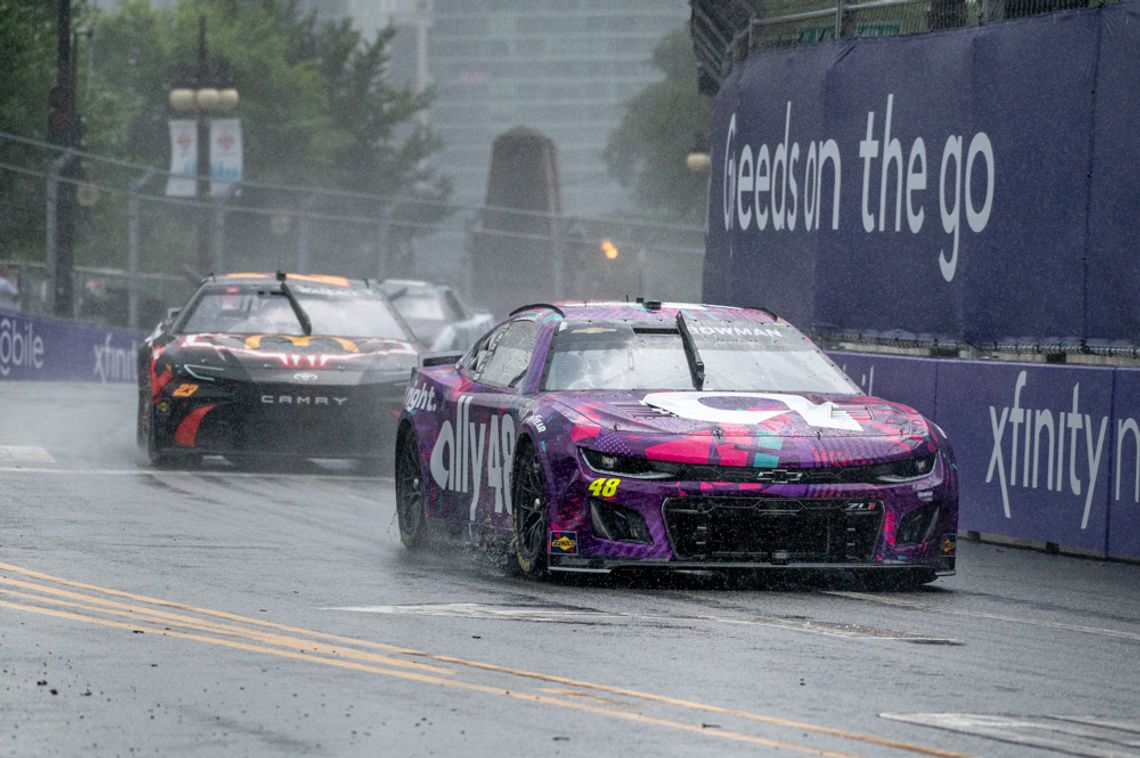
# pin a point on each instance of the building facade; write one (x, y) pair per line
(565, 68)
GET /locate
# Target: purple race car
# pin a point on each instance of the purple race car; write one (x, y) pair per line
(594, 437)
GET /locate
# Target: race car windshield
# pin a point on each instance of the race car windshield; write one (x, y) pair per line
(737, 356)
(265, 310)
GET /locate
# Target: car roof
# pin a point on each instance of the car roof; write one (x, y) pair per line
(267, 278)
(649, 311)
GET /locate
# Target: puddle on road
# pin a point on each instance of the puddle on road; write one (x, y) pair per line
(581, 615)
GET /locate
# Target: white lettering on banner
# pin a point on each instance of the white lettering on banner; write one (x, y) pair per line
(1026, 427)
(688, 405)
(761, 183)
(463, 451)
(115, 364)
(20, 346)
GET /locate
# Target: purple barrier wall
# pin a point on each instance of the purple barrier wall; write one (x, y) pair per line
(977, 183)
(39, 349)
(1048, 453)
(1124, 494)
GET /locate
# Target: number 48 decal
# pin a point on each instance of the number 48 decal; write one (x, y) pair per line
(604, 487)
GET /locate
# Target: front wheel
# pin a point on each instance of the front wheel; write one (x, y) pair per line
(154, 453)
(528, 498)
(410, 491)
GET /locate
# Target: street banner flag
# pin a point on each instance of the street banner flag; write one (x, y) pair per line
(182, 181)
(225, 155)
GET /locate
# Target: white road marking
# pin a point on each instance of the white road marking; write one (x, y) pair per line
(573, 615)
(1072, 735)
(24, 454)
(1119, 634)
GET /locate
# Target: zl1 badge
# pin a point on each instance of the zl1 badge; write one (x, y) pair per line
(564, 543)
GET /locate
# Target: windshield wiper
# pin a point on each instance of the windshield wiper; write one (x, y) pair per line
(302, 317)
(696, 365)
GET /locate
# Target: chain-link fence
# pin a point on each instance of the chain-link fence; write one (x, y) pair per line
(135, 252)
(725, 33)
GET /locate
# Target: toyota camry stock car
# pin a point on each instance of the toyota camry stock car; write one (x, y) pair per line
(276, 365)
(595, 437)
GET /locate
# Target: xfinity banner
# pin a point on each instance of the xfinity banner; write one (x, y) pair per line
(938, 184)
(1049, 453)
(36, 349)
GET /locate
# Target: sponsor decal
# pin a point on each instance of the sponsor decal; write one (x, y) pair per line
(771, 332)
(185, 390)
(688, 405)
(949, 544)
(539, 426)
(254, 342)
(20, 346)
(564, 543)
(465, 449)
(303, 400)
(419, 397)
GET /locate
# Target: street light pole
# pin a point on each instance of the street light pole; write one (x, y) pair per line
(202, 77)
(204, 89)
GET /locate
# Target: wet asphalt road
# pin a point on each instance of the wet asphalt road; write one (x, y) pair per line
(220, 611)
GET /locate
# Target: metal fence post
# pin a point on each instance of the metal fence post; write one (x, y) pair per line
(219, 236)
(304, 233)
(134, 222)
(54, 171)
(839, 9)
(559, 253)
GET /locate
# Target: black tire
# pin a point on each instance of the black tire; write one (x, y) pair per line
(410, 492)
(528, 500)
(154, 453)
(897, 580)
(140, 420)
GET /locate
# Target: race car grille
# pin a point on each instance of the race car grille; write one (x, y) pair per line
(772, 530)
(857, 474)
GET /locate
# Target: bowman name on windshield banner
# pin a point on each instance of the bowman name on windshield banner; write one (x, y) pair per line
(1047, 453)
(40, 349)
(978, 183)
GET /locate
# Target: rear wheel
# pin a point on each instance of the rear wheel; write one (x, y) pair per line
(410, 491)
(528, 499)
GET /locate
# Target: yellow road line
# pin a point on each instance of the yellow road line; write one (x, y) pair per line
(430, 679)
(495, 668)
(112, 608)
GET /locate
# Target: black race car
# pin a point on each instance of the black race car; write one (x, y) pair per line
(293, 365)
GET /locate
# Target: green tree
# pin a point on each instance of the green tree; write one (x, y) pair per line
(662, 125)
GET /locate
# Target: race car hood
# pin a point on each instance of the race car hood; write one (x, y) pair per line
(267, 355)
(683, 426)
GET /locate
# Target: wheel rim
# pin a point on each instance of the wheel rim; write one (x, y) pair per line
(409, 494)
(529, 507)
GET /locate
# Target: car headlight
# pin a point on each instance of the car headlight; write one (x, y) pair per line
(625, 465)
(199, 371)
(902, 471)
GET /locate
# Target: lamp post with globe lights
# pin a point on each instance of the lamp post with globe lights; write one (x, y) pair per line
(203, 90)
